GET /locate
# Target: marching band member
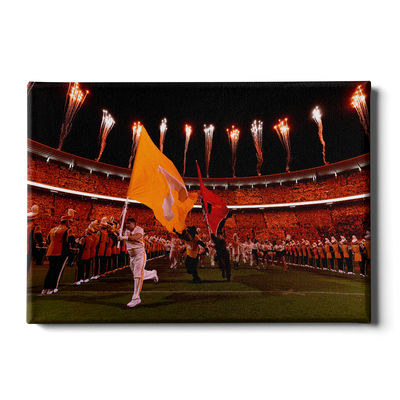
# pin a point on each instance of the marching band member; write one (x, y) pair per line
(316, 255)
(367, 245)
(322, 255)
(329, 255)
(304, 261)
(59, 241)
(102, 246)
(357, 250)
(347, 255)
(35, 238)
(338, 256)
(309, 255)
(94, 226)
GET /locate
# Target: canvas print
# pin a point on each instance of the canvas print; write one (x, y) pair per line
(240, 202)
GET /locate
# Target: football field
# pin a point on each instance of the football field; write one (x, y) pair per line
(266, 295)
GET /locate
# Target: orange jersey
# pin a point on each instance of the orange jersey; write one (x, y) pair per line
(328, 251)
(367, 245)
(57, 238)
(87, 247)
(336, 250)
(103, 242)
(192, 247)
(357, 252)
(95, 242)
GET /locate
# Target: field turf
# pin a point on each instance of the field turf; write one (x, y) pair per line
(267, 295)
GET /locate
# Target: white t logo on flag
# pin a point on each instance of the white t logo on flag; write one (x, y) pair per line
(173, 184)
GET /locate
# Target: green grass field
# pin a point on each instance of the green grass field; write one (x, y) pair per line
(268, 295)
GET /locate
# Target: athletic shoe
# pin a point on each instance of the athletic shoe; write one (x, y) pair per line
(77, 283)
(55, 290)
(86, 281)
(49, 292)
(93, 277)
(44, 291)
(134, 303)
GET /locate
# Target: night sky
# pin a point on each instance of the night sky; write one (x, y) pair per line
(220, 104)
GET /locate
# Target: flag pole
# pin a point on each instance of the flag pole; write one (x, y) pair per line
(202, 200)
(122, 218)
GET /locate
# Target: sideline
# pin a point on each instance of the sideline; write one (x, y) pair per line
(284, 292)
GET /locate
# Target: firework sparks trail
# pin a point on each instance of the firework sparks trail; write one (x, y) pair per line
(30, 85)
(318, 121)
(282, 129)
(107, 124)
(362, 110)
(233, 136)
(188, 130)
(257, 131)
(136, 129)
(163, 130)
(73, 103)
(208, 132)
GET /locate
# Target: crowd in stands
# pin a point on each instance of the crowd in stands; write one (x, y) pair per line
(54, 174)
(312, 223)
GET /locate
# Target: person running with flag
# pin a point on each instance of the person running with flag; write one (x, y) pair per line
(137, 254)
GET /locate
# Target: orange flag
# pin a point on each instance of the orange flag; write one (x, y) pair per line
(156, 183)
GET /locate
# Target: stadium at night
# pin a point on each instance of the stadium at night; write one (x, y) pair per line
(290, 162)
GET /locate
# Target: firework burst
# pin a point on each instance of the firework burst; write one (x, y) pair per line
(73, 103)
(233, 135)
(136, 129)
(318, 121)
(163, 130)
(282, 129)
(208, 132)
(257, 132)
(107, 124)
(359, 103)
(188, 130)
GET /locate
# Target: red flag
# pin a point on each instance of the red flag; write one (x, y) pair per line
(214, 209)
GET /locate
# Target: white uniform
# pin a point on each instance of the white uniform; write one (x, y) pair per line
(138, 257)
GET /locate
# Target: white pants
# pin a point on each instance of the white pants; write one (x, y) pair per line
(137, 264)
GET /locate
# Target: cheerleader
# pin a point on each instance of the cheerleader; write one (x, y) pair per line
(173, 252)
(280, 254)
(236, 251)
(253, 244)
(211, 252)
(269, 252)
